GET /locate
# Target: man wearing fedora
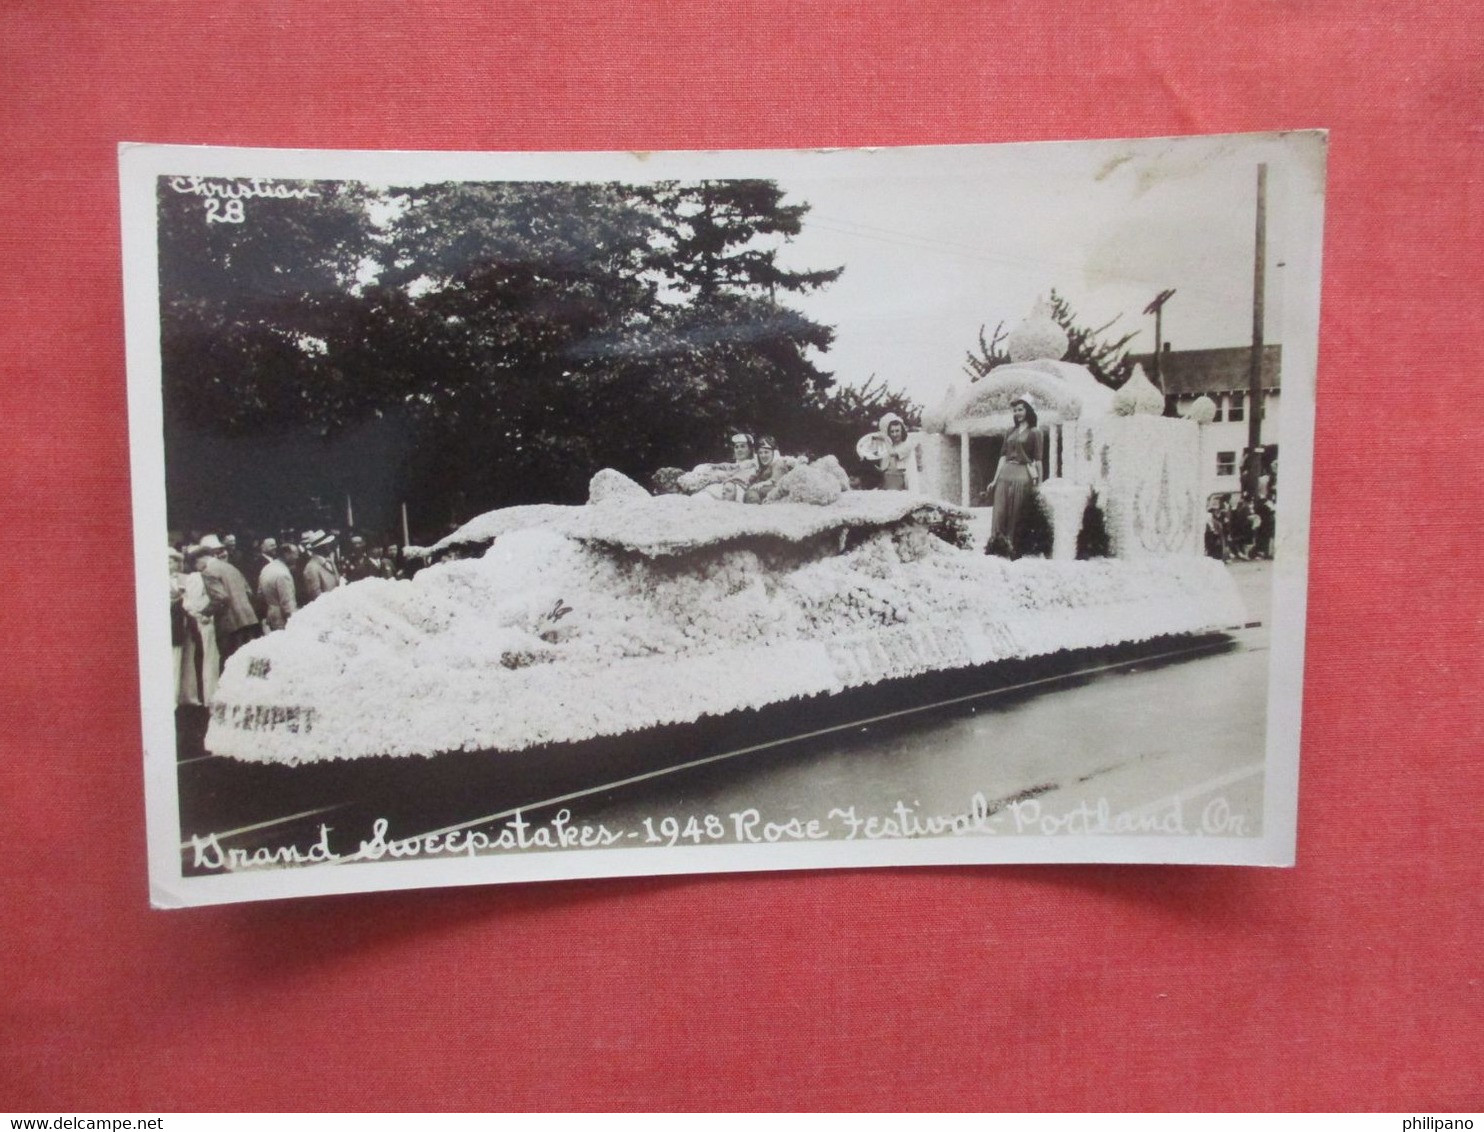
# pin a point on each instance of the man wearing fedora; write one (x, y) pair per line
(231, 602)
(320, 574)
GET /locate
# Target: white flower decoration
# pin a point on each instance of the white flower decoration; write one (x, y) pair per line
(1138, 395)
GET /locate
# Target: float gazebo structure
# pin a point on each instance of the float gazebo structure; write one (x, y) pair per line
(965, 433)
(1144, 466)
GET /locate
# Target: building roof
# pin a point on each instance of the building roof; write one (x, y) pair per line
(1222, 370)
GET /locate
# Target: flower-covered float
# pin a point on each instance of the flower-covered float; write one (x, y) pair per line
(641, 611)
(547, 625)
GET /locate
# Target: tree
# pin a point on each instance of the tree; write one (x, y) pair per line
(249, 310)
(1107, 359)
(749, 356)
(723, 238)
(508, 319)
(991, 353)
(465, 345)
(252, 308)
(600, 326)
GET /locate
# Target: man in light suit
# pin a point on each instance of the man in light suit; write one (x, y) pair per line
(231, 602)
(276, 587)
(320, 574)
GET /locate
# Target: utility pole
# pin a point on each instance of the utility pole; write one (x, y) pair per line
(1156, 308)
(1254, 366)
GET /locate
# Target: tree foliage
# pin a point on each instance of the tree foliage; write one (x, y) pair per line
(466, 345)
(248, 310)
(990, 353)
(1106, 358)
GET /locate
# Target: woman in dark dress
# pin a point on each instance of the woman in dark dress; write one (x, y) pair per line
(1015, 479)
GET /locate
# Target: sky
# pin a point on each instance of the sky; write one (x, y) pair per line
(939, 242)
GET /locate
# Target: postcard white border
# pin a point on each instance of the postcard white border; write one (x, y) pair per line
(1297, 171)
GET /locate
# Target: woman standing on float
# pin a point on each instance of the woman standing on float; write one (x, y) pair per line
(899, 470)
(1015, 478)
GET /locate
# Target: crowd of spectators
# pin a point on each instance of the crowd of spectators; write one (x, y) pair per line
(1240, 526)
(223, 592)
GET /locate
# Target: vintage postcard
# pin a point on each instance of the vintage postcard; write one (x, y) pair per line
(528, 516)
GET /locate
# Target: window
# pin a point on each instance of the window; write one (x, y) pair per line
(1226, 463)
(1238, 409)
(1220, 405)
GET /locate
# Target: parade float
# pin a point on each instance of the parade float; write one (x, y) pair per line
(539, 626)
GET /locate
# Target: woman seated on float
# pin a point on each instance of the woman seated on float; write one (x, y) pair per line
(727, 480)
(734, 476)
(770, 469)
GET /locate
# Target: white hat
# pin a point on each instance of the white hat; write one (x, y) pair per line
(316, 540)
(210, 542)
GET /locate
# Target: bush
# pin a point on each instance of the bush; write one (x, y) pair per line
(1033, 539)
(1092, 539)
(952, 529)
(666, 481)
(999, 546)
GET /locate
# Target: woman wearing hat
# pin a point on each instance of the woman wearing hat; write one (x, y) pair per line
(1015, 479)
(728, 481)
(770, 469)
(898, 464)
(201, 658)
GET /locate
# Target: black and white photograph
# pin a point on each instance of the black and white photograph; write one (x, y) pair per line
(528, 516)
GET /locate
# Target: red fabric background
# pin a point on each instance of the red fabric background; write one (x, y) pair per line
(1352, 981)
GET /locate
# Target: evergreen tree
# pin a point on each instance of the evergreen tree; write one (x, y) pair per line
(745, 353)
(1105, 358)
(461, 346)
(251, 312)
(991, 353)
(254, 311)
(509, 319)
(1092, 537)
(724, 238)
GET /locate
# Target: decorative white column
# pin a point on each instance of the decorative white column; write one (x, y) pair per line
(963, 468)
(1064, 503)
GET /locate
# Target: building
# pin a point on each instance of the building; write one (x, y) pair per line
(1222, 375)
